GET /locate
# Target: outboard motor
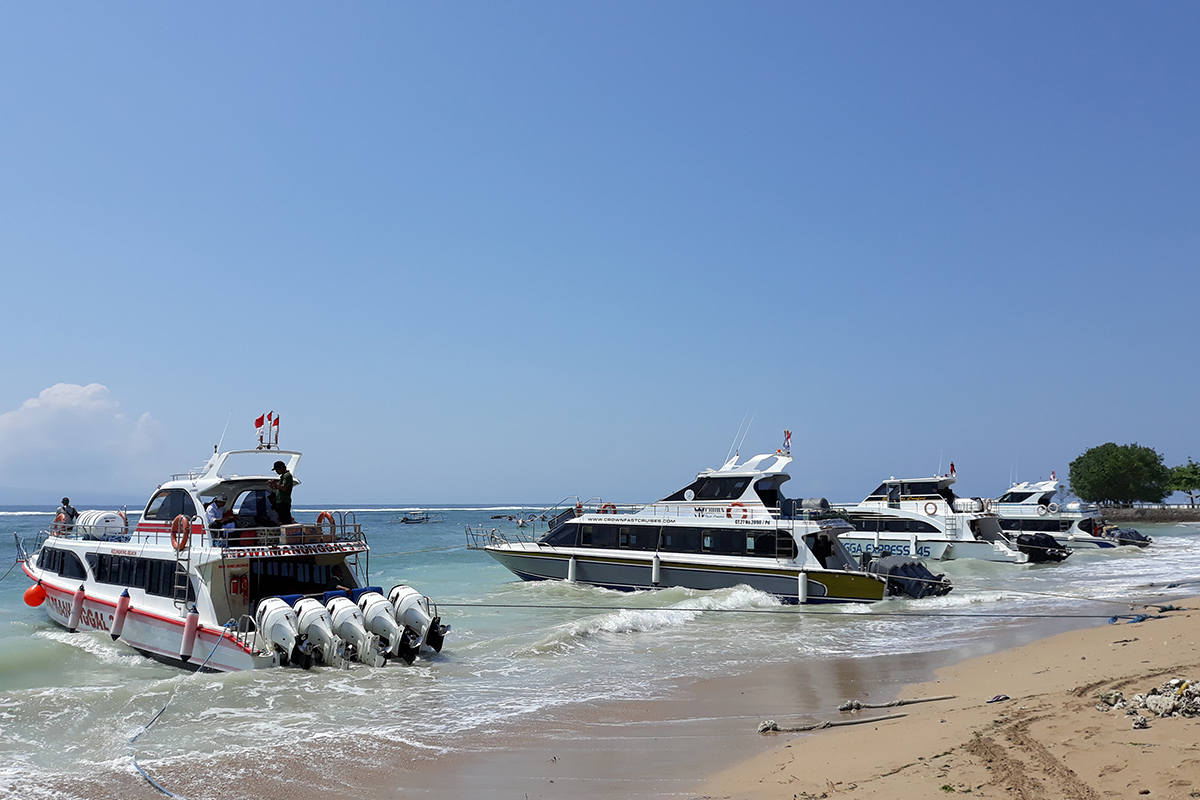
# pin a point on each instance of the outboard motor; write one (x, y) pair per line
(276, 621)
(907, 577)
(1124, 536)
(317, 626)
(414, 610)
(1041, 548)
(380, 618)
(350, 627)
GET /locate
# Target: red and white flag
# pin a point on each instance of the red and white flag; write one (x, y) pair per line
(1052, 476)
(258, 423)
(951, 469)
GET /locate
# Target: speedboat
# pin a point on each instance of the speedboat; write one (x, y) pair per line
(923, 518)
(246, 593)
(730, 526)
(1030, 507)
(421, 517)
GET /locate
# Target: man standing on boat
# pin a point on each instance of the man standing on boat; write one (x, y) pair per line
(283, 493)
(68, 514)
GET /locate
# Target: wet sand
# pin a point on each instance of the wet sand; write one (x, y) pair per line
(1048, 740)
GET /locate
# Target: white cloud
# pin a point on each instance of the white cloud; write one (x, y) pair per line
(74, 440)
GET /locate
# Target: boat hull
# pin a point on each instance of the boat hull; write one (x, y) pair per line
(627, 572)
(153, 632)
(934, 549)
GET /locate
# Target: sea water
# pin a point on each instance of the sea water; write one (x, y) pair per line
(517, 651)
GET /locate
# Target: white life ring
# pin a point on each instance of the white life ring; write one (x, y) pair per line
(1042, 510)
(931, 508)
(1052, 508)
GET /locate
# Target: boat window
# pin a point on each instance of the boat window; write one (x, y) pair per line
(880, 493)
(598, 536)
(562, 536)
(1085, 525)
(920, 490)
(1015, 497)
(710, 489)
(170, 503)
(724, 542)
(64, 562)
(764, 545)
(682, 540)
(255, 509)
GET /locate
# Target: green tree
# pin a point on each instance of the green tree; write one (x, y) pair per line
(1121, 474)
(1186, 478)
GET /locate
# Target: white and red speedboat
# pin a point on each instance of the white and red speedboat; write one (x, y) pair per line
(246, 593)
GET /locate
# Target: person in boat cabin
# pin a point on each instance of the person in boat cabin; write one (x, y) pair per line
(822, 549)
(216, 515)
(283, 493)
(68, 513)
(337, 580)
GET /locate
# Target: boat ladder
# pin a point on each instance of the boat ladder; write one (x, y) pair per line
(182, 577)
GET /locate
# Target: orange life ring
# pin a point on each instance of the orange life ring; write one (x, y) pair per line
(608, 508)
(327, 516)
(931, 508)
(742, 506)
(60, 524)
(181, 531)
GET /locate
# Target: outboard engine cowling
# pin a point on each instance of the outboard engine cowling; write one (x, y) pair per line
(350, 627)
(276, 621)
(906, 577)
(380, 619)
(316, 625)
(415, 611)
(1124, 536)
(1041, 548)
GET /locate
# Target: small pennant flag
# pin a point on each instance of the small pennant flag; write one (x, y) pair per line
(258, 423)
(951, 469)
(1052, 476)
(787, 439)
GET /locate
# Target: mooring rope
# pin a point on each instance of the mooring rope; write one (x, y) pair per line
(593, 608)
(154, 719)
(771, 726)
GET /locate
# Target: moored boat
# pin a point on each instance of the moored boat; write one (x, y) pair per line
(923, 518)
(248, 591)
(1030, 507)
(730, 526)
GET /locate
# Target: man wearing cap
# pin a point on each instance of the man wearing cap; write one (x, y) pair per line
(217, 516)
(283, 493)
(68, 513)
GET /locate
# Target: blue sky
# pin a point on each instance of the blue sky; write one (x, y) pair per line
(518, 251)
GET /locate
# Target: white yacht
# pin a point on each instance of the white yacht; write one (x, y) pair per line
(730, 526)
(1030, 507)
(923, 518)
(246, 593)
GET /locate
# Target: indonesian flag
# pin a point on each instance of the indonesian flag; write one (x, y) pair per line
(1052, 476)
(951, 469)
(275, 424)
(787, 439)
(258, 423)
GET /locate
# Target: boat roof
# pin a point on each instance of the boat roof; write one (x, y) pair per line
(1035, 486)
(236, 465)
(751, 466)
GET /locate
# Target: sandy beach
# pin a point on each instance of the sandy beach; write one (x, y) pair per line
(1047, 740)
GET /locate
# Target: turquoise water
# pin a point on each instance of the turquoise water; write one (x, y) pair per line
(70, 702)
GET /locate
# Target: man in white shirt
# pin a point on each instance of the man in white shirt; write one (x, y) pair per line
(215, 515)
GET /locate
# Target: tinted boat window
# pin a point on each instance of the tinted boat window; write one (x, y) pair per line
(712, 489)
(681, 540)
(170, 503)
(927, 489)
(764, 545)
(563, 536)
(598, 536)
(723, 542)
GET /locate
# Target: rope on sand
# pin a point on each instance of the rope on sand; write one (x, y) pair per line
(854, 705)
(771, 726)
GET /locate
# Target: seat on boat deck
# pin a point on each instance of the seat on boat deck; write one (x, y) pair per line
(335, 593)
(357, 593)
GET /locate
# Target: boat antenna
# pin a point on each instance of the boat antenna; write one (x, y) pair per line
(734, 444)
(224, 431)
(940, 455)
(744, 435)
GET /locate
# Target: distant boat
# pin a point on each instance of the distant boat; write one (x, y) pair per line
(420, 517)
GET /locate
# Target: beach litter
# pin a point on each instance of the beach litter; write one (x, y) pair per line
(1178, 697)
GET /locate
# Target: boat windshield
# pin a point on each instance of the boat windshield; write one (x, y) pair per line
(711, 489)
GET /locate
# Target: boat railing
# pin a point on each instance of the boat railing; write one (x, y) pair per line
(245, 633)
(336, 527)
(481, 537)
